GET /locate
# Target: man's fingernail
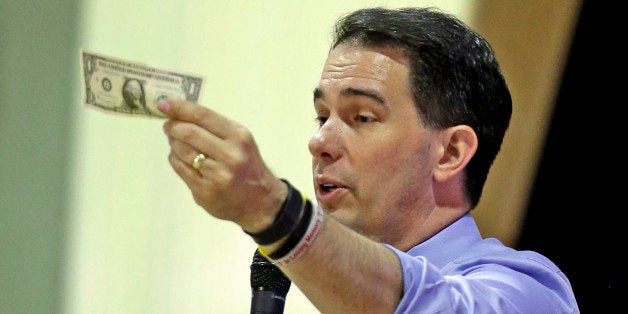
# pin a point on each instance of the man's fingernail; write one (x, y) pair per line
(163, 105)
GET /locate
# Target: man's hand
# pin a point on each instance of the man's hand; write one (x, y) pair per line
(232, 182)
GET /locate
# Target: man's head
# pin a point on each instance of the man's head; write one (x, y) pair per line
(412, 109)
(455, 78)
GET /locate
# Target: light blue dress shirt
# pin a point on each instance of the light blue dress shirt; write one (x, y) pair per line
(456, 271)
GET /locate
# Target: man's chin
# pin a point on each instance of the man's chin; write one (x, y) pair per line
(351, 220)
(345, 217)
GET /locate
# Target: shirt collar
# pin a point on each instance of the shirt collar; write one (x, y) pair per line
(449, 243)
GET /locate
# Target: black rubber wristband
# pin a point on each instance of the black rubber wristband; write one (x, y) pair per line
(296, 236)
(286, 220)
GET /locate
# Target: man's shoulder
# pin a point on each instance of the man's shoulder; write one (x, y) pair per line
(492, 251)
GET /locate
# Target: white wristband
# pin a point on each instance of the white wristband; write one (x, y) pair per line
(314, 227)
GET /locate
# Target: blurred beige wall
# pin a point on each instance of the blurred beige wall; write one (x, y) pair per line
(94, 220)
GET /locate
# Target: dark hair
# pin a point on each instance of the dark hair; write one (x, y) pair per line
(455, 77)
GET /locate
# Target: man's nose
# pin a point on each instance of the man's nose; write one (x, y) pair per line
(327, 141)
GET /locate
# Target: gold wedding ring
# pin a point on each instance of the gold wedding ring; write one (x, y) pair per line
(198, 161)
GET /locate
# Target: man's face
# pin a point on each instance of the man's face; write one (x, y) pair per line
(371, 157)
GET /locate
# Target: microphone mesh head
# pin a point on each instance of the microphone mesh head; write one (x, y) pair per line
(267, 276)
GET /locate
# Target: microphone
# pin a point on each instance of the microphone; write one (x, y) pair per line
(269, 286)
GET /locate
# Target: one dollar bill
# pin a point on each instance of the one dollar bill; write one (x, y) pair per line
(131, 88)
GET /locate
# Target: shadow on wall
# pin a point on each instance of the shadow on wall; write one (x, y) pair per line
(576, 203)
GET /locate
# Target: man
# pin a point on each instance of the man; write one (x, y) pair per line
(413, 108)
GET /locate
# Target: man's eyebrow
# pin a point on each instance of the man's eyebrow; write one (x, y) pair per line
(318, 93)
(352, 91)
(373, 94)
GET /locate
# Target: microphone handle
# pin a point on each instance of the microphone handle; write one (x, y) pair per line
(267, 302)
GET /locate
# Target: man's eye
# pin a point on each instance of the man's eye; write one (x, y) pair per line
(321, 120)
(364, 119)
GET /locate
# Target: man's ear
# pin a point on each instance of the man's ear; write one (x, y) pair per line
(459, 144)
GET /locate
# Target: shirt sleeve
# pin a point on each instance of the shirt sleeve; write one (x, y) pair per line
(419, 283)
(485, 284)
